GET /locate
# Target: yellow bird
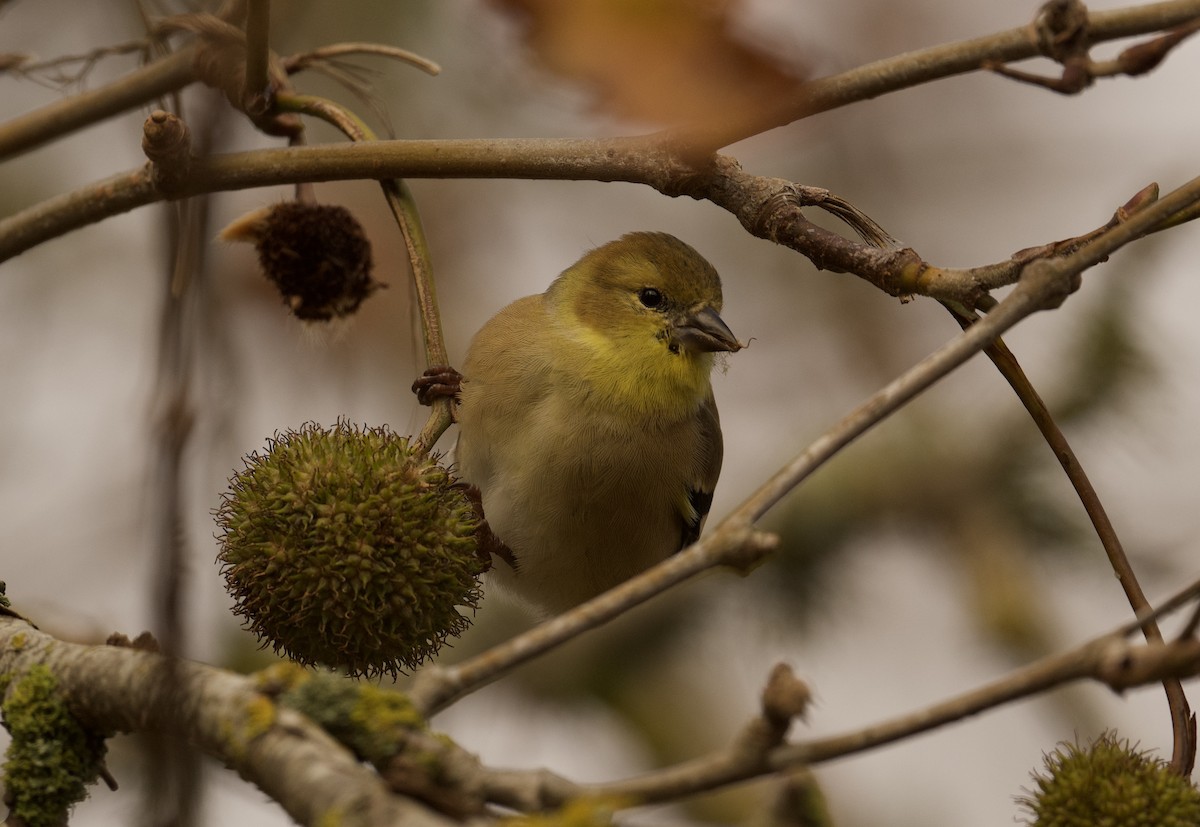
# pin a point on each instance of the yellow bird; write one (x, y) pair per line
(587, 420)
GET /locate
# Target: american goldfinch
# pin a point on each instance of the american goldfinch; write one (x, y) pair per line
(587, 420)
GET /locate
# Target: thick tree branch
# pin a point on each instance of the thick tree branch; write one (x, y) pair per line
(293, 761)
(316, 779)
(768, 207)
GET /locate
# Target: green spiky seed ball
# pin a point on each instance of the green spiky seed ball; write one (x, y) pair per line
(1110, 782)
(344, 547)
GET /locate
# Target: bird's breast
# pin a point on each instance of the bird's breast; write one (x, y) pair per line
(593, 501)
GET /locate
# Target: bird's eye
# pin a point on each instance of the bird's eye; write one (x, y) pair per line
(650, 297)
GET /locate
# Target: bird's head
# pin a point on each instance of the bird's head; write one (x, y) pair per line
(647, 309)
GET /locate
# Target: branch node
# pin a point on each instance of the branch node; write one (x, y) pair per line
(1114, 664)
(745, 555)
(1061, 29)
(783, 698)
(167, 142)
(1047, 284)
(220, 62)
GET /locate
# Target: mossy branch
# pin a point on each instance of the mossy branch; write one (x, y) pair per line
(120, 689)
(252, 724)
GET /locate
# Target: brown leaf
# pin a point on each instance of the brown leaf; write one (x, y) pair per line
(665, 61)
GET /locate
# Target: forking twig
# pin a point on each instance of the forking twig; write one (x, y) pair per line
(1107, 659)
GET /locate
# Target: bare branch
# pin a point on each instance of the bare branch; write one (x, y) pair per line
(1184, 751)
(1108, 659)
(923, 66)
(768, 207)
(731, 543)
(71, 114)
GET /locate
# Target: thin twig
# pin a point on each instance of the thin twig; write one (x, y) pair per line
(437, 687)
(258, 56)
(919, 67)
(1107, 659)
(54, 72)
(1184, 749)
(404, 209)
(173, 774)
(69, 115)
(305, 60)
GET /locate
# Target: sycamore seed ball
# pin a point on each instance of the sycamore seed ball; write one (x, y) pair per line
(1110, 782)
(316, 255)
(343, 547)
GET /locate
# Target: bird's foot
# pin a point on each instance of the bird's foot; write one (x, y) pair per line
(489, 544)
(439, 382)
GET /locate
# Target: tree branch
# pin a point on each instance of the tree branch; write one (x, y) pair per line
(316, 779)
(770, 208)
(1184, 749)
(667, 161)
(71, 114)
(1108, 659)
(115, 688)
(923, 66)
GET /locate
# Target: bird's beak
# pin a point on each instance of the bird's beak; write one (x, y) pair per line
(704, 332)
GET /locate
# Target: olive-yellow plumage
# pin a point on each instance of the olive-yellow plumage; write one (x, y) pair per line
(587, 419)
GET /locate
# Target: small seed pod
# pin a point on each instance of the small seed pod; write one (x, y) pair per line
(317, 255)
(343, 547)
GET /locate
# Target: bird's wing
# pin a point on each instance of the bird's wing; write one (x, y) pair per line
(708, 468)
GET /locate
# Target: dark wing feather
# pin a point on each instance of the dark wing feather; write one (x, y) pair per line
(708, 468)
